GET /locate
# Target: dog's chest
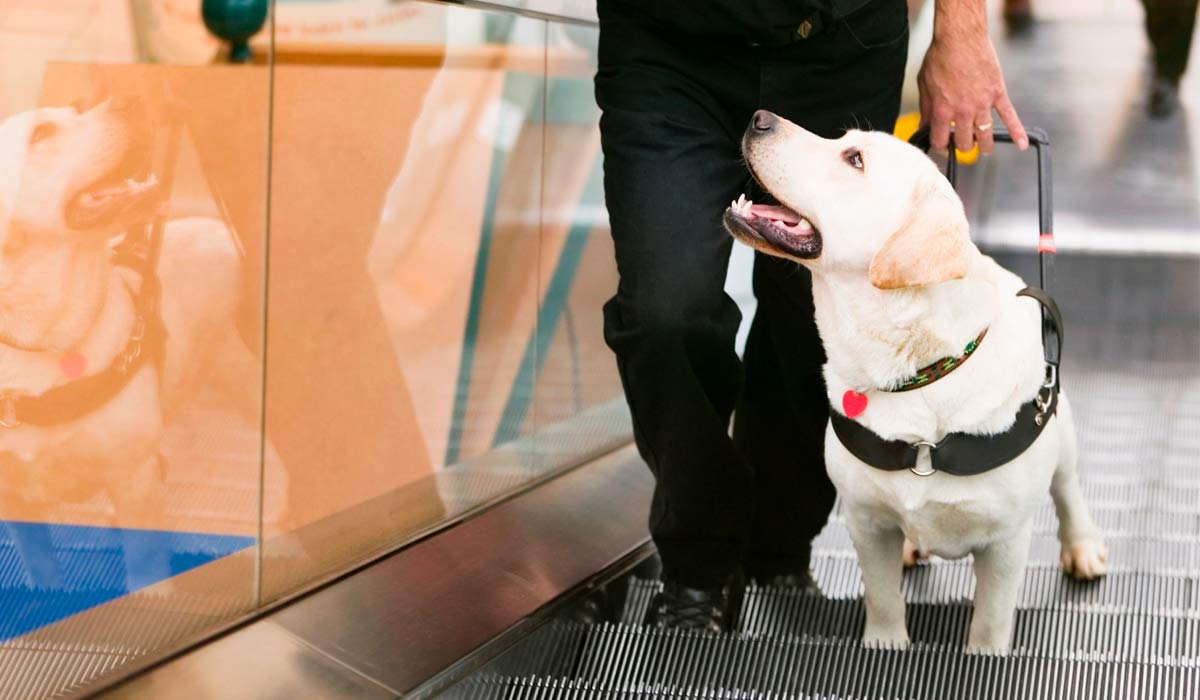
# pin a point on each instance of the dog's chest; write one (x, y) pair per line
(949, 527)
(944, 514)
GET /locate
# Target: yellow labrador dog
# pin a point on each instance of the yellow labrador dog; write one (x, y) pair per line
(898, 286)
(85, 366)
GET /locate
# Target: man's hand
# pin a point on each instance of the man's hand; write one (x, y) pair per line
(960, 80)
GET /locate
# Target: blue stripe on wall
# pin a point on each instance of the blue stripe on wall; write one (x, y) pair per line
(50, 572)
(567, 101)
(526, 91)
(462, 388)
(549, 313)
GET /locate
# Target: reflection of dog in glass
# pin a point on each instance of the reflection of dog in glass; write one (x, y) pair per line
(93, 349)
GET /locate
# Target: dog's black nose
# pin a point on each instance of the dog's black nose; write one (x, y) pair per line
(764, 120)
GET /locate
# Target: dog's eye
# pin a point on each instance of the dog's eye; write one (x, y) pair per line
(43, 131)
(853, 157)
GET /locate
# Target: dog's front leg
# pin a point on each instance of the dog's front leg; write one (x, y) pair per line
(999, 570)
(879, 556)
(1084, 553)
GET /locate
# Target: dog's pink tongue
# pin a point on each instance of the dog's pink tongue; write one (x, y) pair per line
(775, 212)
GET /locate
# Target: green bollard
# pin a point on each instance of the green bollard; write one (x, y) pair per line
(235, 21)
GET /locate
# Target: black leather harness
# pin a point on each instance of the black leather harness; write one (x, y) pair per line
(966, 454)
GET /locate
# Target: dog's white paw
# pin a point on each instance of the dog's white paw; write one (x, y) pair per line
(988, 648)
(886, 638)
(913, 556)
(1085, 559)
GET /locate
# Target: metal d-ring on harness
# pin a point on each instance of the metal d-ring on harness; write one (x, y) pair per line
(965, 454)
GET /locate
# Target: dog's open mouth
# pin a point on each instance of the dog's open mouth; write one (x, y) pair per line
(124, 194)
(777, 227)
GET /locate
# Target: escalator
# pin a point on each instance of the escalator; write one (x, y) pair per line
(1133, 377)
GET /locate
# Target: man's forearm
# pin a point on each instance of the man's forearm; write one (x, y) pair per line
(957, 19)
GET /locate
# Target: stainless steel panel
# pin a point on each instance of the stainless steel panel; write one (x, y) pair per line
(260, 662)
(398, 623)
(414, 614)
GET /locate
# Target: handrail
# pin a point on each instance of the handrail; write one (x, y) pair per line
(581, 12)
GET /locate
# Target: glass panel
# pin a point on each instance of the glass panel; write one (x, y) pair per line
(418, 335)
(579, 404)
(133, 190)
(406, 185)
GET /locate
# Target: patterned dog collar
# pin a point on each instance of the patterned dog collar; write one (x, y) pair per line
(928, 375)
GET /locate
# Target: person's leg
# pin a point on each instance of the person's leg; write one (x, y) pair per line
(671, 166)
(1169, 27)
(849, 76)
(1018, 16)
(780, 422)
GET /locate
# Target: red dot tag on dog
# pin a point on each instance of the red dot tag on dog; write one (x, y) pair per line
(853, 403)
(73, 365)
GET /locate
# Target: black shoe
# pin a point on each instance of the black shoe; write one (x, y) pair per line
(802, 582)
(1164, 98)
(678, 607)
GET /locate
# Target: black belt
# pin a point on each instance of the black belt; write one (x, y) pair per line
(965, 454)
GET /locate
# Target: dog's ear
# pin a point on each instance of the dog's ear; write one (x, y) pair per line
(931, 247)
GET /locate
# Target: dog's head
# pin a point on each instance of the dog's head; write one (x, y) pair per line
(68, 171)
(865, 202)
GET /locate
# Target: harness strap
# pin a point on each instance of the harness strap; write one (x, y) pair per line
(1052, 324)
(966, 454)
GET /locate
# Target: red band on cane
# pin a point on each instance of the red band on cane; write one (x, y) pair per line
(1046, 243)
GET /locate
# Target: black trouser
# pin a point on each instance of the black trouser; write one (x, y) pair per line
(1169, 25)
(673, 111)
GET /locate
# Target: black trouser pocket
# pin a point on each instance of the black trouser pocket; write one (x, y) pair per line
(881, 23)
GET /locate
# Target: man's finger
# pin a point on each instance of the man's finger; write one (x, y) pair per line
(1008, 114)
(964, 131)
(939, 131)
(983, 133)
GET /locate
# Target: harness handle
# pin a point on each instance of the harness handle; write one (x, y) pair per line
(1046, 247)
